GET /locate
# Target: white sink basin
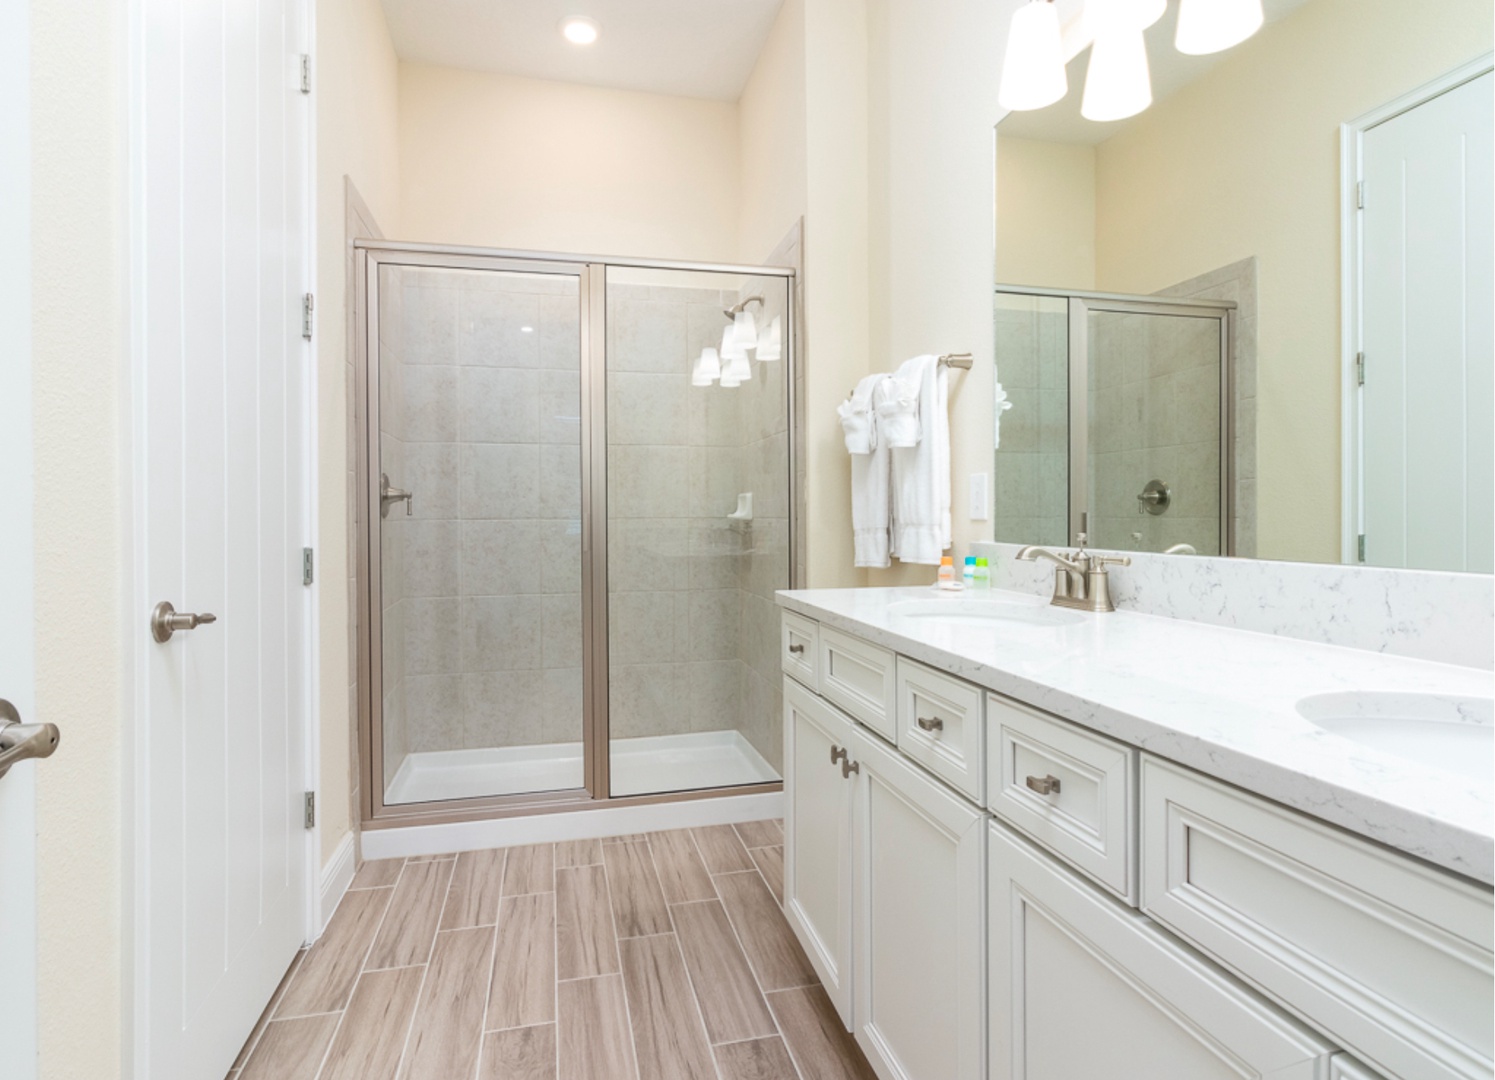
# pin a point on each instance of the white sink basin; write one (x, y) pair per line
(968, 611)
(1456, 734)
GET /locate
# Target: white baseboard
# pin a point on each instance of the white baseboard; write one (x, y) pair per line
(582, 824)
(336, 876)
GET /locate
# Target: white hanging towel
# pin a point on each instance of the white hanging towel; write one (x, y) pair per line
(871, 498)
(896, 399)
(921, 473)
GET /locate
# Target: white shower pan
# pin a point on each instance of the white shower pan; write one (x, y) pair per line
(643, 766)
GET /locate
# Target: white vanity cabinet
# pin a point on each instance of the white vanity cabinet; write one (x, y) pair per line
(818, 843)
(919, 920)
(1082, 986)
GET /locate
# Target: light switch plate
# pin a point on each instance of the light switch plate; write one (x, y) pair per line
(980, 500)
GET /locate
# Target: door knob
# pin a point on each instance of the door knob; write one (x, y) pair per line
(21, 742)
(167, 620)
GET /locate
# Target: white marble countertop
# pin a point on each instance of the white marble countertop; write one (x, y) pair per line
(1219, 700)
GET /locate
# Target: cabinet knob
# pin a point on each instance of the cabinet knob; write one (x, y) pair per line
(849, 767)
(1044, 785)
(796, 650)
(838, 753)
(933, 724)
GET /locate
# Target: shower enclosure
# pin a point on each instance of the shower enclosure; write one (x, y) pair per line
(1120, 424)
(573, 515)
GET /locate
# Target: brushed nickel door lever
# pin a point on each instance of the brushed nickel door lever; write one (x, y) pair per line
(167, 620)
(23, 742)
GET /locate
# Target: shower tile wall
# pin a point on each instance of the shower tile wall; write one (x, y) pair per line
(1030, 499)
(1154, 403)
(488, 576)
(693, 633)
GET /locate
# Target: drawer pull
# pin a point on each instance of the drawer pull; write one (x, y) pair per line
(849, 767)
(838, 753)
(1044, 785)
(935, 724)
(796, 650)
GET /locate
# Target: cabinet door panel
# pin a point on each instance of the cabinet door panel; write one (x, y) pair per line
(919, 903)
(817, 839)
(1081, 986)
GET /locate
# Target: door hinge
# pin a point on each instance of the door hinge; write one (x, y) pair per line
(308, 305)
(307, 566)
(1360, 195)
(309, 810)
(1360, 547)
(305, 73)
(1360, 369)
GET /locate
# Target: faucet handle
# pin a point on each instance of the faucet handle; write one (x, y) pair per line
(1111, 560)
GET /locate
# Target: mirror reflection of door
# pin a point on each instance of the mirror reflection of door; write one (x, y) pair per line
(1426, 462)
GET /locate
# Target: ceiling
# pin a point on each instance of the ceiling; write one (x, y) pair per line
(690, 48)
(1171, 70)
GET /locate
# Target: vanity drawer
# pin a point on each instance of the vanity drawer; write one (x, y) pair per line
(1388, 956)
(1069, 789)
(859, 678)
(940, 726)
(799, 648)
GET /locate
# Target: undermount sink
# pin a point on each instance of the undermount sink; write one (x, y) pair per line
(968, 611)
(1456, 734)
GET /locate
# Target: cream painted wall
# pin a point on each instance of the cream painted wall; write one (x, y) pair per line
(78, 292)
(1045, 213)
(933, 232)
(771, 139)
(1268, 185)
(510, 162)
(357, 88)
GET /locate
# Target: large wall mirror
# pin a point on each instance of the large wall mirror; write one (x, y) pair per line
(1255, 318)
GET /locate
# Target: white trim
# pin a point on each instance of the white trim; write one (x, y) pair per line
(332, 883)
(1351, 172)
(582, 824)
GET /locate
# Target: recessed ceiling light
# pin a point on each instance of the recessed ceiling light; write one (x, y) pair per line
(580, 30)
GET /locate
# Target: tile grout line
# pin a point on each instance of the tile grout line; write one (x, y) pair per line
(492, 960)
(612, 913)
(268, 1015)
(425, 975)
(738, 938)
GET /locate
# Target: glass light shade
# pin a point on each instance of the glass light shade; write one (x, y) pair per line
(771, 341)
(1118, 84)
(1108, 16)
(729, 377)
(746, 328)
(1211, 26)
(1033, 69)
(707, 368)
(731, 348)
(738, 368)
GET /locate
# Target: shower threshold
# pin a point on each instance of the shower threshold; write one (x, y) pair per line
(646, 765)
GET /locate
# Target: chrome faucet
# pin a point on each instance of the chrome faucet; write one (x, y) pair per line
(1081, 580)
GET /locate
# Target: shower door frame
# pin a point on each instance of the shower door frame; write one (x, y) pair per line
(591, 272)
(1079, 306)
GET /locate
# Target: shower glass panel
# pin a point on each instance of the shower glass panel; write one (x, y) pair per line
(479, 590)
(1031, 495)
(1154, 417)
(698, 498)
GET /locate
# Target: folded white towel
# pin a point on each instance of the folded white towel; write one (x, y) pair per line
(858, 421)
(921, 474)
(897, 401)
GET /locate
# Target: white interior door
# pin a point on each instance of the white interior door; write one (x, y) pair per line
(1428, 403)
(220, 429)
(18, 922)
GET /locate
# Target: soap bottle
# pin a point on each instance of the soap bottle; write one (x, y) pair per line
(968, 572)
(947, 573)
(983, 574)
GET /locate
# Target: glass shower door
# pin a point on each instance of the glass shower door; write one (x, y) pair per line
(698, 497)
(476, 478)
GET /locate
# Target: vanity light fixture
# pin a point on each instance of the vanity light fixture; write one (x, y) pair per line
(580, 30)
(731, 346)
(1118, 83)
(707, 368)
(771, 341)
(1033, 69)
(1211, 26)
(737, 369)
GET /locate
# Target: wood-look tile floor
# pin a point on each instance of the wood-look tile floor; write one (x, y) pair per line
(659, 956)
